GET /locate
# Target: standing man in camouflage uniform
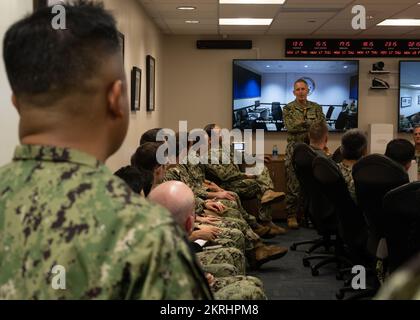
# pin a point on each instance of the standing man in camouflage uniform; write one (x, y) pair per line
(69, 229)
(298, 117)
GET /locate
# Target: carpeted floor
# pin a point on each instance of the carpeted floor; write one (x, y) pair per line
(288, 279)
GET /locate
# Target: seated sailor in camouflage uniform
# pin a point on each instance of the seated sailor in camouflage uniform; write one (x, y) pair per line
(416, 136)
(69, 228)
(353, 148)
(230, 177)
(178, 198)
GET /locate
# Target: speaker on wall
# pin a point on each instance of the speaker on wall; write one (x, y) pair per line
(224, 44)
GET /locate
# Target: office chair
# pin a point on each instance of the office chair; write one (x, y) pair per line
(402, 224)
(277, 114)
(374, 176)
(351, 248)
(317, 207)
(329, 114)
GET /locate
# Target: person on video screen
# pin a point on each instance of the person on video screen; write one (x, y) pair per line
(298, 117)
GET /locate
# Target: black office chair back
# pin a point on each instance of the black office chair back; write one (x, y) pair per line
(374, 176)
(317, 206)
(276, 111)
(402, 224)
(329, 112)
(352, 227)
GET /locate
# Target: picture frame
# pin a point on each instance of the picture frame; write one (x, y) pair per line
(150, 82)
(39, 4)
(135, 89)
(406, 102)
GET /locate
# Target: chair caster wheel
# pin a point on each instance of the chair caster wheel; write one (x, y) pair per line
(339, 276)
(315, 272)
(293, 247)
(339, 295)
(306, 263)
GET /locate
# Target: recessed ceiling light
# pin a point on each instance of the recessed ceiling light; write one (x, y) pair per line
(267, 66)
(345, 67)
(400, 22)
(252, 1)
(186, 8)
(306, 66)
(192, 21)
(245, 22)
(415, 85)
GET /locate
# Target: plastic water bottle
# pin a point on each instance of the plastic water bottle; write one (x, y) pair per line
(275, 152)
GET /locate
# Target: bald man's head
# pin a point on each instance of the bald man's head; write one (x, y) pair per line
(178, 198)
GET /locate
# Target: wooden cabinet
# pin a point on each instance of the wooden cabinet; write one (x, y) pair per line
(278, 174)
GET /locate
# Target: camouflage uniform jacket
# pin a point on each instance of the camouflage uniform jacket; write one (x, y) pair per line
(61, 207)
(418, 160)
(222, 173)
(348, 177)
(298, 119)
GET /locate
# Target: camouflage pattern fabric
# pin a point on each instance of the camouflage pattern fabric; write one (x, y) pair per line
(403, 284)
(230, 238)
(61, 207)
(231, 256)
(181, 173)
(418, 160)
(238, 288)
(221, 270)
(348, 177)
(297, 119)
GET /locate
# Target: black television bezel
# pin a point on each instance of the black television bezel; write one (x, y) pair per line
(399, 95)
(285, 131)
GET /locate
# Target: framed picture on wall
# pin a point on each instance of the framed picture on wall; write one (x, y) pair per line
(39, 4)
(150, 82)
(135, 89)
(406, 102)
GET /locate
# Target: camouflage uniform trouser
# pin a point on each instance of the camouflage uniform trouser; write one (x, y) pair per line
(231, 256)
(294, 201)
(230, 238)
(238, 288)
(252, 188)
(221, 270)
(232, 221)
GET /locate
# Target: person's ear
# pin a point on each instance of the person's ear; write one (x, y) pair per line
(189, 224)
(115, 99)
(15, 103)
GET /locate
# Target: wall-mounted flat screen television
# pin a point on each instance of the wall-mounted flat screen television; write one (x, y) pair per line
(409, 97)
(262, 88)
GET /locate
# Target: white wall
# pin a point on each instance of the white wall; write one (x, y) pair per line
(198, 86)
(10, 11)
(142, 38)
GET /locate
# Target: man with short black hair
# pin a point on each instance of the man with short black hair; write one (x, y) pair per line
(140, 181)
(401, 151)
(353, 148)
(60, 206)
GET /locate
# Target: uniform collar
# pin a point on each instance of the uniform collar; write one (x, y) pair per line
(54, 154)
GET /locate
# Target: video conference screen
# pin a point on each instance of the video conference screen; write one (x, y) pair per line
(409, 98)
(262, 88)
